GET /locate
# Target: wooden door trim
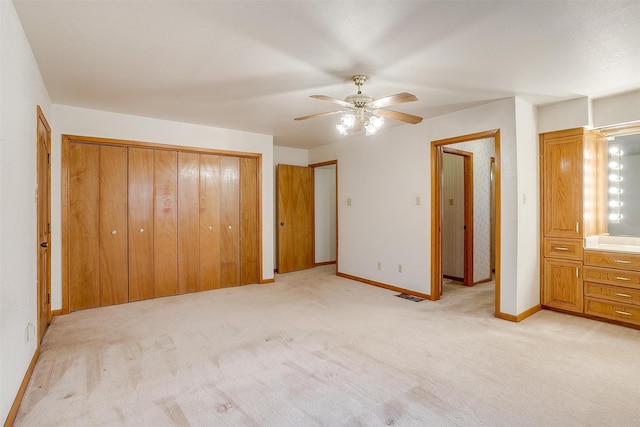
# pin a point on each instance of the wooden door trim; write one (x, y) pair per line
(468, 212)
(40, 118)
(316, 165)
(155, 145)
(437, 147)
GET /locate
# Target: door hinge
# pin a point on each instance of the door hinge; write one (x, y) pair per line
(48, 298)
(49, 158)
(49, 228)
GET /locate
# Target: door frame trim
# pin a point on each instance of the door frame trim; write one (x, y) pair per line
(436, 150)
(467, 157)
(40, 118)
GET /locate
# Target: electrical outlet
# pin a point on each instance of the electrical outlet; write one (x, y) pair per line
(349, 201)
(399, 268)
(379, 266)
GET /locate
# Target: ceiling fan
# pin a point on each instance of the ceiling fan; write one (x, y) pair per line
(362, 111)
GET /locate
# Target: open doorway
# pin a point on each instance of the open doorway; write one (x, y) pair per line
(483, 144)
(307, 216)
(325, 218)
(457, 218)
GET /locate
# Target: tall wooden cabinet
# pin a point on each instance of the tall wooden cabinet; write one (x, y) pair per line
(568, 164)
(143, 222)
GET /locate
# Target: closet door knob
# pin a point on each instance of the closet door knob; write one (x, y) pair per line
(230, 227)
(141, 230)
(210, 227)
(114, 232)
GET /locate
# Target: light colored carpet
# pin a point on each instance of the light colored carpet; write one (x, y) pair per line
(316, 349)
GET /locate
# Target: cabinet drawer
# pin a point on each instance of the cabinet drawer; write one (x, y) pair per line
(612, 310)
(610, 276)
(613, 293)
(612, 259)
(563, 248)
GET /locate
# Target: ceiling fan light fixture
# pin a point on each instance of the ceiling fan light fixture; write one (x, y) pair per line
(342, 129)
(348, 120)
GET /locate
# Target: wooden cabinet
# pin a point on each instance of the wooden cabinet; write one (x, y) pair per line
(562, 284)
(612, 286)
(568, 159)
(143, 221)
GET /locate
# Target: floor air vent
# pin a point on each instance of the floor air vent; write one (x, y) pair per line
(410, 297)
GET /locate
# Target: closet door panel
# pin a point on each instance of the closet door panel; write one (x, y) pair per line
(230, 222)
(165, 243)
(210, 176)
(249, 251)
(188, 222)
(140, 224)
(114, 272)
(84, 229)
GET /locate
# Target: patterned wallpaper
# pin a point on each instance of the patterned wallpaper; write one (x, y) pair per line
(483, 150)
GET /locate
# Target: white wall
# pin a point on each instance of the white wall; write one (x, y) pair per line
(384, 174)
(616, 109)
(569, 114)
(85, 122)
(528, 166)
(21, 90)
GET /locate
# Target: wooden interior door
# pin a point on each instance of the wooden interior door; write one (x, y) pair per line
(114, 259)
(230, 222)
(249, 250)
(165, 244)
(188, 222)
(84, 226)
(210, 228)
(141, 224)
(295, 218)
(44, 224)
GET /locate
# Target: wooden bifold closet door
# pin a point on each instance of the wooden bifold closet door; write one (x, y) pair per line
(97, 212)
(146, 222)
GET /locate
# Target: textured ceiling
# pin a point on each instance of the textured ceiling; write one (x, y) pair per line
(252, 65)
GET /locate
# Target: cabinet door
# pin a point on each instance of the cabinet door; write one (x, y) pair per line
(114, 270)
(563, 187)
(230, 221)
(562, 286)
(188, 222)
(140, 224)
(249, 251)
(165, 251)
(84, 226)
(210, 228)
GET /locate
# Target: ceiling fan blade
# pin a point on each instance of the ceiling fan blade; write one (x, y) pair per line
(398, 98)
(312, 116)
(403, 117)
(333, 100)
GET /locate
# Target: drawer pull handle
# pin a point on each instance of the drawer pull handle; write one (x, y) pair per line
(560, 248)
(618, 294)
(621, 261)
(624, 313)
(622, 278)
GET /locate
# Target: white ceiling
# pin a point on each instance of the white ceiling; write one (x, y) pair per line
(252, 65)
